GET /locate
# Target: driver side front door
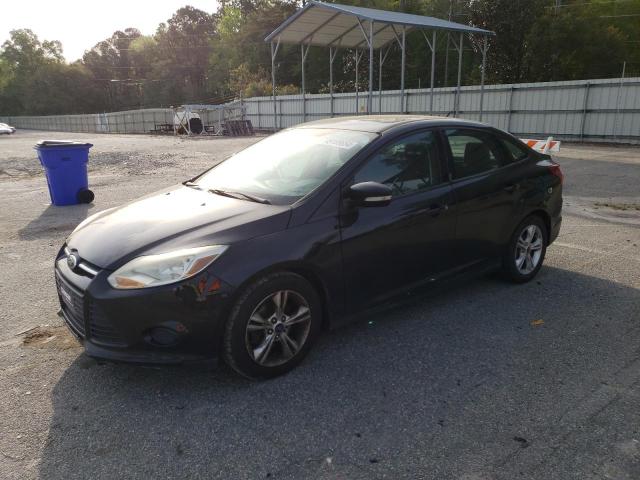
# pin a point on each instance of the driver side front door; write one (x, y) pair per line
(393, 247)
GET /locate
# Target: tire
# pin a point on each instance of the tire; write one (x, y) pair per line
(256, 344)
(521, 260)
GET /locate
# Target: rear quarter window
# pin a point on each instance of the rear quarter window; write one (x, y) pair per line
(472, 152)
(514, 151)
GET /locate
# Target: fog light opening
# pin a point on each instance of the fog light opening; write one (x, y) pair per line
(163, 337)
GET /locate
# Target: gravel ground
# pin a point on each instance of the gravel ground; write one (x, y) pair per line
(487, 381)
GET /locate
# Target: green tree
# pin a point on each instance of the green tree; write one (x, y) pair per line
(243, 27)
(25, 61)
(196, 57)
(570, 47)
(114, 69)
(184, 44)
(512, 21)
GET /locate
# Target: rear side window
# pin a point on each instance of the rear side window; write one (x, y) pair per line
(515, 152)
(406, 165)
(472, 152)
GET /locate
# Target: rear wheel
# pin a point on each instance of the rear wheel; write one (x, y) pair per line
(272, 326)
(525, 253)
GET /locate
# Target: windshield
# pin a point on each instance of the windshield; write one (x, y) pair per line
(286, 166)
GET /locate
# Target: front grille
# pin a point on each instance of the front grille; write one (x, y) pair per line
(72, 303)
(101, 329)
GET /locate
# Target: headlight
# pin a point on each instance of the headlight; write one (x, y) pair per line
(165, 268)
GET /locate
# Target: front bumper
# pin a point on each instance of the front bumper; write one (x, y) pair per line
(161, 325)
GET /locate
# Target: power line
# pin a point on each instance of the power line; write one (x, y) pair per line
(584, 4)
(621, 16)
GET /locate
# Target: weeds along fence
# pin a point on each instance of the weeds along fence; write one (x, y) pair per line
(604, 110)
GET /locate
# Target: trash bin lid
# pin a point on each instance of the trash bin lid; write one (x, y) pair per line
(61, 143)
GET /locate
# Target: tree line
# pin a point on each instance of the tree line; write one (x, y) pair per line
(197, 57)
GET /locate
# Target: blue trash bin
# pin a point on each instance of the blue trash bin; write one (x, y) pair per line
(65, 164)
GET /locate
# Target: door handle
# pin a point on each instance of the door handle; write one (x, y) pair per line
(511, 188)
(437, 209)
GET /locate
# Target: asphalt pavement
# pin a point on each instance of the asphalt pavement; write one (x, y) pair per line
(488, 380)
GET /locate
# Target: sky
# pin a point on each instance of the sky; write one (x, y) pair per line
(80, 24)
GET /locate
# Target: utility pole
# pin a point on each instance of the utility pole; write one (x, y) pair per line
(558, 5)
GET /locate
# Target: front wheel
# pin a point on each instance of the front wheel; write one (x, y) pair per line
(525, 253)
(272, 326)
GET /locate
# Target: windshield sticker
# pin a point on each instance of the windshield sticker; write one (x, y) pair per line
(342, 143)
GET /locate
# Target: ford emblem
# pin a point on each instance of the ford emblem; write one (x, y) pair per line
(72, 261)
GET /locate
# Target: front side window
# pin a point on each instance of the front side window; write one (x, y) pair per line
(286, 166)
(407, 165)
(472, 152)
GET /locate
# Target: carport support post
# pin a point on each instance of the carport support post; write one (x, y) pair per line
(403, 105)
(380, 82)
(485, 47)
(331, 78)
(432, 47)
(370, 99)
(383, 58)
(304, 93)
(332, 56)
(274, 52)
(357, 86)
(433, 69)
(457, 103)
(304, 52)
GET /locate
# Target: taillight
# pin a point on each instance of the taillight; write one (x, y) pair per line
(555, 170)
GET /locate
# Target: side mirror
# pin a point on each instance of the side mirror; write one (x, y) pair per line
(370, 194)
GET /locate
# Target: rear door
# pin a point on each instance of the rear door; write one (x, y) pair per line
(487, 186)
(386, 248)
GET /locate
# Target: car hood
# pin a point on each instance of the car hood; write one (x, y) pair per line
(178, 217)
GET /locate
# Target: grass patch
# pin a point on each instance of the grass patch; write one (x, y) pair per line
(619, 206)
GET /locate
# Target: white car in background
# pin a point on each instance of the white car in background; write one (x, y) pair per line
(8, 129)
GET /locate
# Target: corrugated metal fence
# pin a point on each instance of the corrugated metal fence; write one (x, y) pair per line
(586, 110)
(131, 121)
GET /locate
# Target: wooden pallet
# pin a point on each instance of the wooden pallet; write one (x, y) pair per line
(238, 128)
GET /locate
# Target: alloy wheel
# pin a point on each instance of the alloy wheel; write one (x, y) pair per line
(278, 328)
(529, 249)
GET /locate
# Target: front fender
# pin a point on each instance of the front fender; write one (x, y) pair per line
(311, 250)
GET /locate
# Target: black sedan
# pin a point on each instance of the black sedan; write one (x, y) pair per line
(305, 230)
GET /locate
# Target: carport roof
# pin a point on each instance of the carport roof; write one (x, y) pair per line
(335, 25)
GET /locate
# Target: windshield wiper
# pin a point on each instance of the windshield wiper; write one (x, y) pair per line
(240, 195)
(191, 184)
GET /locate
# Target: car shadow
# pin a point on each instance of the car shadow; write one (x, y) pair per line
(452, 384)
(54, 221)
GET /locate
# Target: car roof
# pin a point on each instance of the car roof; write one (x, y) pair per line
(381, 123)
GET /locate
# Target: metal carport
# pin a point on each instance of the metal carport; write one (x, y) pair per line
(344, 26)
